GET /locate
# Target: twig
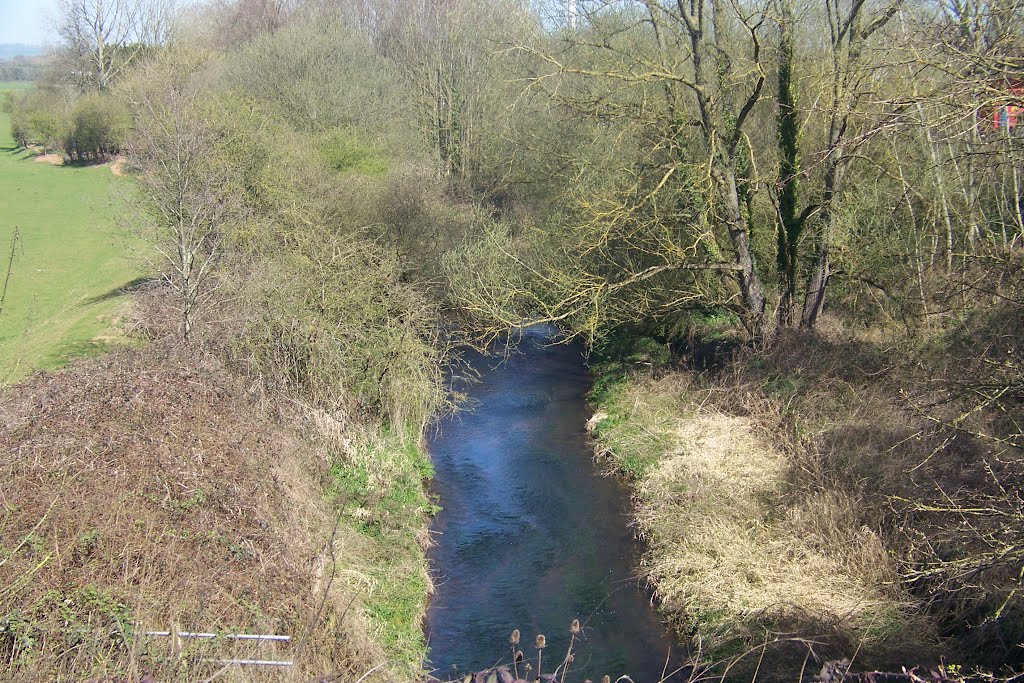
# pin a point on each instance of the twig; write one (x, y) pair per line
(315, 618)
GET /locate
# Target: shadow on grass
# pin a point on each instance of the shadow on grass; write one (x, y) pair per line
(18, 151)
(31, 152)
(84, 163)
(129, 287)
(87, 348)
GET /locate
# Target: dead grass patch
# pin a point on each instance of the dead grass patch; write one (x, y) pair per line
(732, 551)
(52, 159)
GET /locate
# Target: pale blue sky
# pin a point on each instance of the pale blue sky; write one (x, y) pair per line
(26, 21)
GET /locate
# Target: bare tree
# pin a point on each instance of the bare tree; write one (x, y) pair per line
(159, 21)
(101, 38)
(234, 22)
(850, 27)
(689, 74)
(441, 49)
(187, 190)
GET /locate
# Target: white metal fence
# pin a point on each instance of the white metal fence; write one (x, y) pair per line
(178, 636)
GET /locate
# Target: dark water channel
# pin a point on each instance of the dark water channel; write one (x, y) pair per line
(531, 536)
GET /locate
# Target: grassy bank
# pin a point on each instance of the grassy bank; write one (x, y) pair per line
(150, 489)
(378, 487)
(755, 532)
(72, 260)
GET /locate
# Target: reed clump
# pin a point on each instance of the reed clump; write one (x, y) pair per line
(510, 673)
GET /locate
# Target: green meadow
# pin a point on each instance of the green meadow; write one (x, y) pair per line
(72, 260)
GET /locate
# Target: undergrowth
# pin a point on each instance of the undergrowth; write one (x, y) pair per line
(736, 550)
(153, 489)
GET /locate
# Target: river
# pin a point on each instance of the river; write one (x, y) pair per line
(531, 535)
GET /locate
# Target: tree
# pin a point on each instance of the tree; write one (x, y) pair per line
(659, 205)
(101, 38)
(229, 23)
(99, 127)
(790, 221)
(39, 117)
(188, 185)
(447, 55)
(850, 29)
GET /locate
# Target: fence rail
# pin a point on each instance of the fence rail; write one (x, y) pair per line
(257, 637)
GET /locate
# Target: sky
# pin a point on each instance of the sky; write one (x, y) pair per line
(26, 21)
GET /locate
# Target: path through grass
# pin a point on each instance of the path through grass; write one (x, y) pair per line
(72, 260)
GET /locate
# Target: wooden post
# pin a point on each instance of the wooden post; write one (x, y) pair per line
(10, 265)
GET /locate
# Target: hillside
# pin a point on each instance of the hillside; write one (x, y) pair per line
(151, 489)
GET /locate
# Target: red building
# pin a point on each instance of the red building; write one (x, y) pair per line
(1008, 115)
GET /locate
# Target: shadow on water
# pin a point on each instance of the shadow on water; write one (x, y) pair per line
(531, 536)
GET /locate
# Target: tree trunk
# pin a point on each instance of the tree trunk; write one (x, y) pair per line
(817, 283)
(750, 284)
(814, 299)
(790, 224)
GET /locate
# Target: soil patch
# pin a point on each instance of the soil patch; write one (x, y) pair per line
(54, 159)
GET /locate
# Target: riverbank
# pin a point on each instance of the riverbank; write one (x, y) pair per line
(780, 498)
(156, 489)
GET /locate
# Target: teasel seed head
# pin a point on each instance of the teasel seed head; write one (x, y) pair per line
(574, 628)
(541, 641)
(515, 637)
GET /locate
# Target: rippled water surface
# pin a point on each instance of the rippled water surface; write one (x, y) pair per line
(530, 535)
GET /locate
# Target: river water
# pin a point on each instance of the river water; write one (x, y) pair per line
(531, 536)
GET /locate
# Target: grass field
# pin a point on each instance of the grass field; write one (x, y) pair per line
(63, 299)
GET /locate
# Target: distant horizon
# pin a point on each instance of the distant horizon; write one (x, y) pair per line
(10, 51)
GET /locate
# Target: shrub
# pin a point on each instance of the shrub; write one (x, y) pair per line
(331, 318)
(38, 118)
(99, 128)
